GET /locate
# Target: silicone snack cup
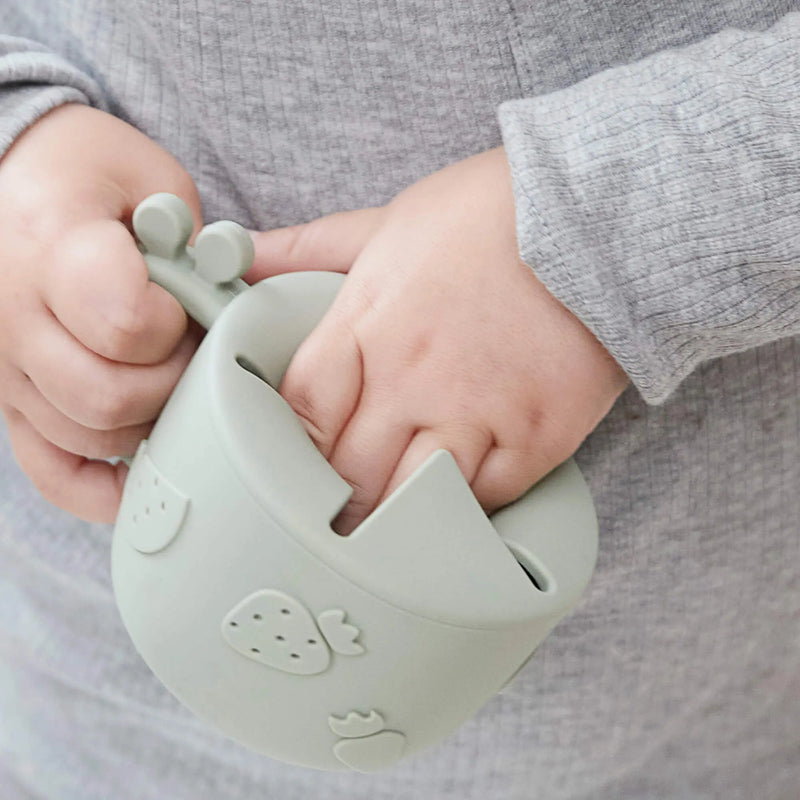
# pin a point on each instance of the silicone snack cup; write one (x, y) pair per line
(321, 650)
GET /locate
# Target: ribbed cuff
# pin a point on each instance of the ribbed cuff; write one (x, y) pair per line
(660, 201)
(34, 81)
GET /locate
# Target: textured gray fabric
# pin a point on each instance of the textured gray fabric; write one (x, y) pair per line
(656, 200)
(667, 218)
(34, 80)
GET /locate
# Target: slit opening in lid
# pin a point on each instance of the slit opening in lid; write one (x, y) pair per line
(537, 575)
(248, 366)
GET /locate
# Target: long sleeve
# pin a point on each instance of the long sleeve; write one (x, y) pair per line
(660, 201)
(34, 80)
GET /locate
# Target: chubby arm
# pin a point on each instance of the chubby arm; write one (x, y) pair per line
(656, 216)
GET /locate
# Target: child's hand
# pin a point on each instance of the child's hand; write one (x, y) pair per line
(440, 338)
(89, 350)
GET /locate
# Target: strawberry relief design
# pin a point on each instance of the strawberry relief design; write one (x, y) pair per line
(152, 510)
(276, 630)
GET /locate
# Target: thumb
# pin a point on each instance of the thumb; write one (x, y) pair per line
(330, 243)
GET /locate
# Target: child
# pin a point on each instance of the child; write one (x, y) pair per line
(655, 213)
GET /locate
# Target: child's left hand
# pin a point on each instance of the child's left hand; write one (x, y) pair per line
(441, 337)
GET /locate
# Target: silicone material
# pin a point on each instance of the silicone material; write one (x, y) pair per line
(327, 651)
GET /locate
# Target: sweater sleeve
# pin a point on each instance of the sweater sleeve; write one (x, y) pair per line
(35, 80)
(660, 201)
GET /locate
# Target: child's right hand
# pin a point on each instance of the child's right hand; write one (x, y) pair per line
(89, 349)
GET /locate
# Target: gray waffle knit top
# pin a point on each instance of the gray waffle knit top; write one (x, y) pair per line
(655, 149)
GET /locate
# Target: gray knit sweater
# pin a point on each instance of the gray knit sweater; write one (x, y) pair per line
(655, 147)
